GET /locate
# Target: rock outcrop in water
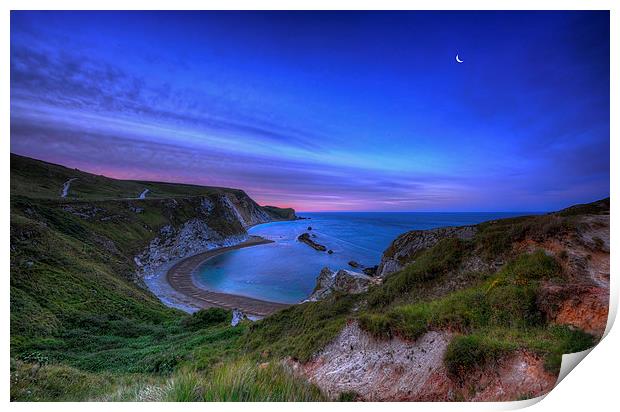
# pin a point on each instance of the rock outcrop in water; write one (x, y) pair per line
(305, 238)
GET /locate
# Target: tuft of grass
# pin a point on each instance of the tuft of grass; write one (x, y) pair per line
(241, 381)
(185, 386)
(489, 344)
(465, 353)
(533, 266)
(566, 340)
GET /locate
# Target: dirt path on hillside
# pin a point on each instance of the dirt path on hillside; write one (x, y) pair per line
(179, 277)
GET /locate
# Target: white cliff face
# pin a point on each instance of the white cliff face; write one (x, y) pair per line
(377, 370)
(245, 212)
(193, 237)
(196, 235)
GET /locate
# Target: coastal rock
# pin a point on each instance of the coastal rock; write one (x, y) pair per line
(237, 317)
(344, 281)
(330, 252)
(371, 271)
(305, 238)
(309, 227)
(354, 264)
(404, 248)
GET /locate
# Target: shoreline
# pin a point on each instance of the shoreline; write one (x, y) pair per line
(179, 278)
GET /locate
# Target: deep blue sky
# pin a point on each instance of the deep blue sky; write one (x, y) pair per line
(324, 110)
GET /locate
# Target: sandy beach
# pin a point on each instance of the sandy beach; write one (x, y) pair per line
(179, 278)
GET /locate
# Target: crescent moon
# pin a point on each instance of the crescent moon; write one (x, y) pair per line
(458, 60)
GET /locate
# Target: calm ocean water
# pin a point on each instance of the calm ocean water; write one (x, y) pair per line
(285, 271)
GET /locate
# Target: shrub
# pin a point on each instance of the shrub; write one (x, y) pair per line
(465, 353)
(206, 317)
(533, 266)
(376, 324)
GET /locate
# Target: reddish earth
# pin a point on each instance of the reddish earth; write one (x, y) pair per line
(583, 299)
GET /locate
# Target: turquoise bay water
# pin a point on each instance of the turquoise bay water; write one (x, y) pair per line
(285, 271)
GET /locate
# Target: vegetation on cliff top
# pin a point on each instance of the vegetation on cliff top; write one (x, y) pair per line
(498, 315)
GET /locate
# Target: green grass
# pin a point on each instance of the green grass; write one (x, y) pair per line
(507, 299)
(301, 330)
(37, 179)
(466, 353)
(53, 382)
(428, 265)
(495, 239)
(241, 381)
(494, 317)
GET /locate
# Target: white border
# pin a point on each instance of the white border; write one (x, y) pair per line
(593, 384)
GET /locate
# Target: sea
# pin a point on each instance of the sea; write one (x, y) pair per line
(286, 270)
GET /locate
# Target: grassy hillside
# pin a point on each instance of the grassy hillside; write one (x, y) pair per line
(75, 305)
(82, 328)
(38, 179)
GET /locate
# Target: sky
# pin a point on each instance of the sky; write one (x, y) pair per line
(324, 111)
